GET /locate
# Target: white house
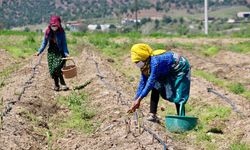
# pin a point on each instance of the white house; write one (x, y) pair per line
(92, 26)
(127, 21)
(191, 26)
(104, 27)
(243, 14)
(73, 25)
(230, 21)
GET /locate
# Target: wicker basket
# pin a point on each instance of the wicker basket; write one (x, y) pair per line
(69, 71)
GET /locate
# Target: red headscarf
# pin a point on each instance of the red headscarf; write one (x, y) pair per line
(54, 20)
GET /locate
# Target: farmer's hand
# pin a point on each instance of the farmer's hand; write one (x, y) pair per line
(135, 105)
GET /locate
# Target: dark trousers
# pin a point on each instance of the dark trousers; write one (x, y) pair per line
(57, 78)
(154, 100)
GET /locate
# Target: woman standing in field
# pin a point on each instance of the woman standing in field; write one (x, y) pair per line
(164, 73)
(55, 36)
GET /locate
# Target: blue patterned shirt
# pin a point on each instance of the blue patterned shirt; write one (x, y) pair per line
(160, 66)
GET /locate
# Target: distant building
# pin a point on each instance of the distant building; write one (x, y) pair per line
(103, 27)
(191, 26)
(243, 14)
(92, 26)
(127, 21)
(230, 21)
(74, 26)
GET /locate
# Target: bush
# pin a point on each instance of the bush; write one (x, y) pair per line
(72, 41)
(99, 42)
(98, 27)
(26, 29)
(211, 51)
(157, 24)
(78, 34)
(145, 20)
(126, 30)
(167, 19)
(112, 26)
(83, 28)
(29, 40)
(237, 88)
(182, 30)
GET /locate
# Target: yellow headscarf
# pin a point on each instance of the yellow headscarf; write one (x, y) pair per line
(141, 52)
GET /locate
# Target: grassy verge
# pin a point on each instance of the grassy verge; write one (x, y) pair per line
(115, 50)
(211, 119)
(240, 146)
(186, 46)
(21, 33)
(242, 47)
(79, 117)
(211, 49)
(205, 50)
(109, 48)
(234, 87)
(81, 113)
(20, 46)
(7, 71)
(24, 44)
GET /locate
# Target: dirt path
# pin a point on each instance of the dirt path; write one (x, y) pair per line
(18, 130)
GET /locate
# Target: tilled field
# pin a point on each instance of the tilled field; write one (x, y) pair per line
(29, 104)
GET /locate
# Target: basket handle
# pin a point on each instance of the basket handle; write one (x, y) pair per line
(69, 58)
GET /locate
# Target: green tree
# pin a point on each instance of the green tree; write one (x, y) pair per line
(145, 20)
(158, 6)
(182, 29)
(167, 19)
(26, 29)
(112, 26)
(98, 27)
(157, 24)
(181, 20)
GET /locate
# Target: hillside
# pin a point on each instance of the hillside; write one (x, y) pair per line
(24, 12)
